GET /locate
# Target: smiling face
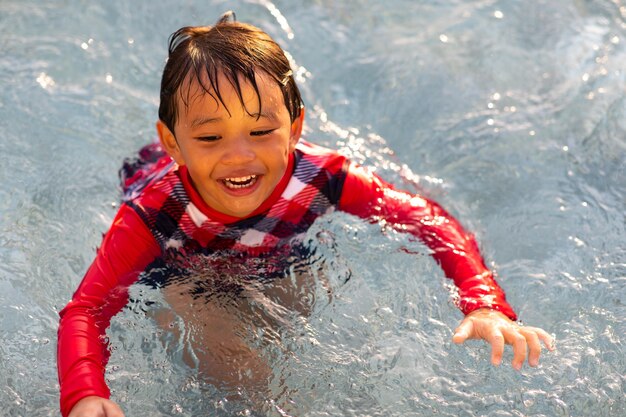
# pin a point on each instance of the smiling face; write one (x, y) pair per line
(236, 151)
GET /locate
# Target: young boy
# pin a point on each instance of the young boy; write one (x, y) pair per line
(237, 180)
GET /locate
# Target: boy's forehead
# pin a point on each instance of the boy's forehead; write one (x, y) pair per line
(199, 94)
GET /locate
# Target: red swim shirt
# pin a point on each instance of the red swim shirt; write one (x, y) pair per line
(164, 217)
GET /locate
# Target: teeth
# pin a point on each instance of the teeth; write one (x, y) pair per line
(241, 179)
(240, 182)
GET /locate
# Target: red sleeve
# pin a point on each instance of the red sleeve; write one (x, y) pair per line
(368, 196)
(82, 352)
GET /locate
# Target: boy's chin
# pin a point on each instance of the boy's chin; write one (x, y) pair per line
(241, 210)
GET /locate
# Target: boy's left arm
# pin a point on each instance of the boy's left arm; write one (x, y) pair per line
(488, 315)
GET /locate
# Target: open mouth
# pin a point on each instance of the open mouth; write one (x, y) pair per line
(240, 182)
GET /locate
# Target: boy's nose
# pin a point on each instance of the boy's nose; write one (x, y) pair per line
(238, 151)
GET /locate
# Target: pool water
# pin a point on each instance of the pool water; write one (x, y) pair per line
(511, 114)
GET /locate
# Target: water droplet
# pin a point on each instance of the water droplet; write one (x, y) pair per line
(44, 80)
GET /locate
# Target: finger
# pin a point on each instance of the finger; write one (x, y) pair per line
(463, 332)
(546, 338)
(519, 350)
(534, 346)
(496, 339)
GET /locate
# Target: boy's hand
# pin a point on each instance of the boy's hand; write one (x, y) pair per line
(497, 329)
(96, 407)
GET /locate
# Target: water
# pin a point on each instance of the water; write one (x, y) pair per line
(511, 114)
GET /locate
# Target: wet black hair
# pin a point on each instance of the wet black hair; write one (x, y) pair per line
(231, 48)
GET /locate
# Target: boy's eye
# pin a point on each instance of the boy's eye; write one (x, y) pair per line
(261, 132)
(207, 138)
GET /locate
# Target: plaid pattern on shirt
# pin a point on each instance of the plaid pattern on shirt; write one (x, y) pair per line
(178, 224)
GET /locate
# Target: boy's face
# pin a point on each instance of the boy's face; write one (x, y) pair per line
(235, 159)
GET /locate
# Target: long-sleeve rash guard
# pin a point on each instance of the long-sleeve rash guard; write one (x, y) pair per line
(164, 217)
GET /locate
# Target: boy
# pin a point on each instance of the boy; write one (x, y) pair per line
(237, 180)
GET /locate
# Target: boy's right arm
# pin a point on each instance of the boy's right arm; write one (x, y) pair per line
(82, 353)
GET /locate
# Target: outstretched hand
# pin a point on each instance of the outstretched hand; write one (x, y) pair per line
(96, 407)
(497, 329)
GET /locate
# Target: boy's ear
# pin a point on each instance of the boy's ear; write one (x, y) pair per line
(296, 130)
(169, 142)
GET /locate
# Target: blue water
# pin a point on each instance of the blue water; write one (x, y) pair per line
(512, 114)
